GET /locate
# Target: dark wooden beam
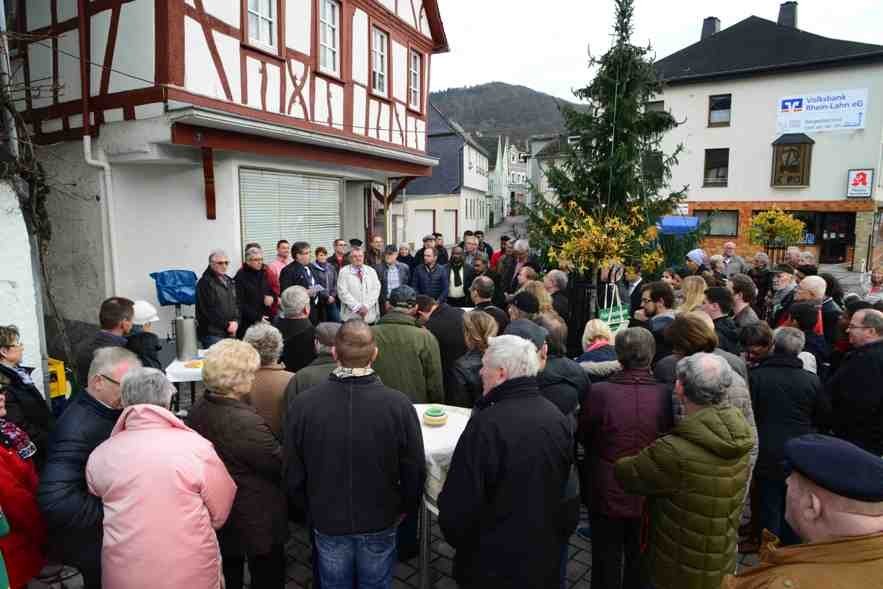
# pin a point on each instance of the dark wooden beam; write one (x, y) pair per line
(208, 173)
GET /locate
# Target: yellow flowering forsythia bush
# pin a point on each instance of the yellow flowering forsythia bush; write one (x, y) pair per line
(583, 242)
(775, 227)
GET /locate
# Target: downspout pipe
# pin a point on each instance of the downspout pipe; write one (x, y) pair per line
(108, 224)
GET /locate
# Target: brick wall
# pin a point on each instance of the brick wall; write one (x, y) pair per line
(864, 208)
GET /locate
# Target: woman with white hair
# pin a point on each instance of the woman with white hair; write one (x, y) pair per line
(599, 356)
(268, 391)
(257, 528)
(165, 491)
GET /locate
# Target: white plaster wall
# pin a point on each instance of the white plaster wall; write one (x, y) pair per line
(753, 129)
(385, 123)
(298, 18)
(226, 10)
(135, 47)
(400, 71)
(228, 51)
(406, 12)
(39, 14)
(18, 288)
(69, 67)
(360, 46)
(66, 9)
(253, 71)
(99, 31)
(390, 4)
(274, 79)
(471, 178)
(398, 135)
(298, 108)
(40, 61)
(439, 203)
(320, 106)
(421, 135)
(360, 98)
(336, 104)
(200, 75)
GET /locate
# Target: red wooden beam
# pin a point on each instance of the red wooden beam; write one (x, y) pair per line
(400, 185)
(208, 173)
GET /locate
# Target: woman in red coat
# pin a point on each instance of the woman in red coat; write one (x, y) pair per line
(22, 548)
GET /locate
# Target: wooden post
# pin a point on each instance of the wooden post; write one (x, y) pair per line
(208, 173)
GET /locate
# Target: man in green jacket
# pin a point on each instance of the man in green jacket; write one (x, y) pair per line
(694, 479)
(408, 359)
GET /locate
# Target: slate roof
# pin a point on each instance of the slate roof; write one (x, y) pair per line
(757, 45)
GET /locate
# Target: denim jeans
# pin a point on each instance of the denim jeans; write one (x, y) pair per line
(208, 341)
(363, 561)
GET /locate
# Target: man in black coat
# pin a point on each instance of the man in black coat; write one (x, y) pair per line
(788, 402)
(446, 324)
(854, 390)
(483, 294)
(217, 312)
(555, 282)
(392, 274)
(719, 306)
(501, 506)
(354, 460)
(115, 319)
(298, 273)
(298, 333)
(513, 264)
(74, 517)
(253, 291)
(481, 267)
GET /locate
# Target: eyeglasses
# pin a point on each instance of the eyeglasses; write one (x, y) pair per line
(221, 262)
(851, 326)
(104, 376)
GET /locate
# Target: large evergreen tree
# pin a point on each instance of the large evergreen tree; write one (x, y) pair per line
(613, 164)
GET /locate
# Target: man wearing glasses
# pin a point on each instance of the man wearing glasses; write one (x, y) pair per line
(74, 517)
(854, 390)
(217, 314)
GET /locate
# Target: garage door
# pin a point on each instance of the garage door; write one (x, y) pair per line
(277, 205)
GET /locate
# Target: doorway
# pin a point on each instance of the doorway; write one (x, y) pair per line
(838, 234)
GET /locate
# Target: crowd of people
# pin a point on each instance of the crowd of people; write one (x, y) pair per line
(736, 402)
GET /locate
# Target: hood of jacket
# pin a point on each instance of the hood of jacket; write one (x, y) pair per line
(395, 317)
(141, 417)
(560, 370)
(723, 431)
(143, 342)
(524, 386)
(727, 327)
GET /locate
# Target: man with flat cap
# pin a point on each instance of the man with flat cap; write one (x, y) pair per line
(835, 504)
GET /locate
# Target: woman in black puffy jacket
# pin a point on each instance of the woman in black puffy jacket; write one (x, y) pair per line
(466, 387)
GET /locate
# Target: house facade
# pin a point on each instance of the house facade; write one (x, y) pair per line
(544, 151)
(454, 198)
(773, 116)
(174, 127)
(509, 181)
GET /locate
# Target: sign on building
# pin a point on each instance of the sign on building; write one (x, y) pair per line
(859, 183)
(837, 110)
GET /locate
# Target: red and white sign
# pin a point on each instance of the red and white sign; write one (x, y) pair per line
(860, 183)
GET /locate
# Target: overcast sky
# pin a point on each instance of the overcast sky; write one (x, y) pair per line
(542, 44)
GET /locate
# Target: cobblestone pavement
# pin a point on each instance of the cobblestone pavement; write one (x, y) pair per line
(300, 574)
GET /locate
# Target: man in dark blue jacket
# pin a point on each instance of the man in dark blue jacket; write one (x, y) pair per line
(298, 273)
(74, 517)
(431, 278)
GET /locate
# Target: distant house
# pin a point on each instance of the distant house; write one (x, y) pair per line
(508, 181)
(544, 151)
(771, 115)
(454, 198)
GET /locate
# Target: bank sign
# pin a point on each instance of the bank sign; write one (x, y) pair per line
(838, 110)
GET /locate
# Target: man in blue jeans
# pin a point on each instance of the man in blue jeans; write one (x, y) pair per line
(354, 464)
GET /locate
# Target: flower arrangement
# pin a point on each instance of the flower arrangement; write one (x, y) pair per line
(581, 241)
(775, 227)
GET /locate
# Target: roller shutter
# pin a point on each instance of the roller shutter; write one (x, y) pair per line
(296, 207)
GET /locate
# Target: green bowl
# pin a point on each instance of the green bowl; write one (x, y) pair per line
(434, 412)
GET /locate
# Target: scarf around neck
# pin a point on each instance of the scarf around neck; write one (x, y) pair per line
(343, 372)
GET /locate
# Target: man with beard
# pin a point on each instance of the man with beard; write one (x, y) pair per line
(459, 279)
(784, 288)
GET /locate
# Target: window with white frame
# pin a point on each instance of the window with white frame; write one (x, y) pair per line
(379, 51)
(262, 22)
(329, 37)
(416, 73)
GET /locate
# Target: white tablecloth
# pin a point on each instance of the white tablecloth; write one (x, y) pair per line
(439, 444)
(176, 371)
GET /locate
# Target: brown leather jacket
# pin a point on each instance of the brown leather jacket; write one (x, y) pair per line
(838, 564)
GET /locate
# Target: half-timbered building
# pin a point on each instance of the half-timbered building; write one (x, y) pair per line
(169, 128)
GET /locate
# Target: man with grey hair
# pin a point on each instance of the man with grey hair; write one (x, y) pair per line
(297, 329)
(516, 451)
(733, 264)
(555, 282)
(695, 481)
(513, 264)
(358, 289)
(217, 310)
(73, 516)
(813, 288)
(855, 391)
(788, 402)
(270, 381)
(320, 368)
